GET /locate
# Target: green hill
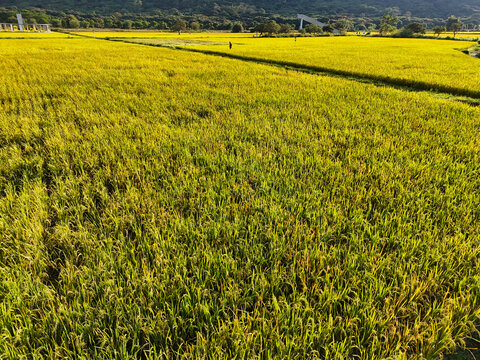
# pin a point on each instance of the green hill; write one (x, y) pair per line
(417, 8)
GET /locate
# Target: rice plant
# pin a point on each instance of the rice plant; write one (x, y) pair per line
(156, 203)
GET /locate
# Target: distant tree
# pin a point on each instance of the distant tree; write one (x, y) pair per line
(226, 25)
(361, 27)
(328, 29)
(237, 27)
(388, 24)
(285, 28)
(56, 23)
(162, 25)
(180, 25)
(207, 24)
(343, 25)
(456, 27)
(84, 24)
(42, 18)
(99, 23)
(72, 22)
(437, 30)
(109, 23)
(416, 28)
(451, 21)
(259, 28)
(195, 25)
(272, 27)
(411, 30)
(313, 29)
(127, 24)
(138, 24)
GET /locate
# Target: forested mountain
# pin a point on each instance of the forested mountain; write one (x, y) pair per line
(416, 8)
(223, 14)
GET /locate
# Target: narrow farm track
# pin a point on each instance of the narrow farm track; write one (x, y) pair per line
(470, 97)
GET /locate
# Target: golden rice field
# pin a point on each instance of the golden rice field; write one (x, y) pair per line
(463, 35)
(426, 64)
(160, 34)
(17, 35)
(164, 204)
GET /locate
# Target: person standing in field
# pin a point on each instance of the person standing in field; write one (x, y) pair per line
(230, 45)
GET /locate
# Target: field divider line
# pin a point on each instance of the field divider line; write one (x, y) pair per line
(470, 97)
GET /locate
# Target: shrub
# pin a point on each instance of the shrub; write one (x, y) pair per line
(237, 27)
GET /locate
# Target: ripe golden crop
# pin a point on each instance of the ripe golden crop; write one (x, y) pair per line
(159, 203)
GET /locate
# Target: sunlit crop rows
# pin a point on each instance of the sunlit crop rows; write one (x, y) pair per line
(157, 203)
(160, 34)
(462, 35)
(428, 64)
(22, 35)
(425, 64)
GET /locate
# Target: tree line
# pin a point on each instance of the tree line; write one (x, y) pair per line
(175, 21)
(389, 26)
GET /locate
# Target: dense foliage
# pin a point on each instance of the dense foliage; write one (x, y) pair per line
(422, 8)
(223, 14)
